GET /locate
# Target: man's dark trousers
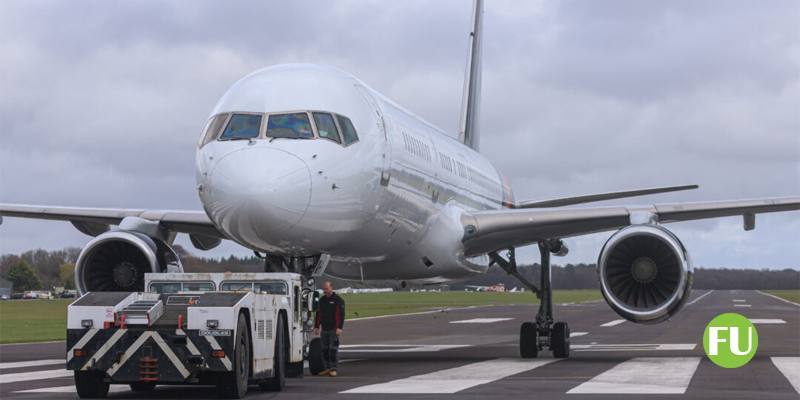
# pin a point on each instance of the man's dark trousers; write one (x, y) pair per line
(330, 349)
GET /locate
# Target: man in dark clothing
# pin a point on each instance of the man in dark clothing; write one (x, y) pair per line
(330, 316)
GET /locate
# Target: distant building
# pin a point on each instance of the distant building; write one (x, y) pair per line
(498, 287)
(6, 287)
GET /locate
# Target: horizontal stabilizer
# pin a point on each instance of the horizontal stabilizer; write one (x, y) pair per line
(591, 198)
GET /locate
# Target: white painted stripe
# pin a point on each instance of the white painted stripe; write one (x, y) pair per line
(215, 346)
(106, 346)
(742, 305)
(33, 376)
(613, 323)
(480, 320)
(698, 299)
(778, 298)
(739, 300)
(34, 363)
(643, 375)
(82, 342)
(71, 389)
(129, 353)
(634, 347)
(171, 355)
(397, 348)
(767, 321)
(189, 344)
(455, 379)
(790, 368)
(577, 334)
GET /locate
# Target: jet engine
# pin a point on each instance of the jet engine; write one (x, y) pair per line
(645, 273)
(118, 260)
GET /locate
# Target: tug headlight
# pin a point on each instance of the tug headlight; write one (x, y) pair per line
(87, 323)
(212, 324)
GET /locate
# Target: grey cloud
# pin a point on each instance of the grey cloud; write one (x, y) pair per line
(102, 103)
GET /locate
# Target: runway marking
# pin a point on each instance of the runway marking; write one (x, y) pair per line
(739, 301)
(790, 368)
(643, 375)
(455, 379)
(480, 320)
(397, 348)
(778, 298)
(577, 334)
(71, 389)
(767, 321)
(742, 305)
(613, 323)
(33, 376)
(634, 347)
(34, 363)
(698, 299)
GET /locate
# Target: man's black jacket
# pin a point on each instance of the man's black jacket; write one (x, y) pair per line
(330, 313)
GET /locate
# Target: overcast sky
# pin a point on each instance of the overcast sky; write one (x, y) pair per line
(102, 103)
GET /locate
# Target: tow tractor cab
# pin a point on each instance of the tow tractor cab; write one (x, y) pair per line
(223, 329)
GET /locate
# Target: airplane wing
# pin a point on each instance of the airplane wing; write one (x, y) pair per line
(590, 198)
(93, 221)
(491, 230)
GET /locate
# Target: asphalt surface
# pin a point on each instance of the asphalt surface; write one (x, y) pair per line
(430, 356)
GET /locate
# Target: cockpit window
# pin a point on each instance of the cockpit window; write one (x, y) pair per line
(242, 126)
(326, 128)
(348, 131)
(294, 125)
(213, 127)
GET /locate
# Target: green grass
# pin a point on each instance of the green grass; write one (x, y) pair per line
(791, 295)
(373, 304)
(33, 320)
(44, 320)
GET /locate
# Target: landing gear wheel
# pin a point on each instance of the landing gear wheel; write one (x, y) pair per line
(315, 364)
(278, 380)
(295, 370)
(91, 385)
(559, 340)
(233, 384)
(528, 340)
(142, 386)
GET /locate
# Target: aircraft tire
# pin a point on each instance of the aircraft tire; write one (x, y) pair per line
(559, 340)
(528, 340)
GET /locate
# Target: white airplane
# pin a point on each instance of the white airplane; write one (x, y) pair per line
(321, 173)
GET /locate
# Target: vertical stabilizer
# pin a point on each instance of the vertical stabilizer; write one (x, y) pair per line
(470, 104)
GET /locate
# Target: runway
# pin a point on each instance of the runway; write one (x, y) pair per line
(472, 353)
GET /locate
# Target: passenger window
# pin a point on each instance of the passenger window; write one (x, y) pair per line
(271, 287)
(236, 287)
(242, 126)
(165, 287)
(348, 131)
(294, 125)
(198, 286)
(326, 127)
(213, 128)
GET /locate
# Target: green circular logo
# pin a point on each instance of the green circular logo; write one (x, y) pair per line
(730, 340)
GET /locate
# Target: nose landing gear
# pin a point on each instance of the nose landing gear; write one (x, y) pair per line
(543, 332)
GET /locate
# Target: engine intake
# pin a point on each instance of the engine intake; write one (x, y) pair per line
(645, 273)
(117, 261)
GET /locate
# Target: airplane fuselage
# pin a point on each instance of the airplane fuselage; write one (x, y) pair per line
(386, 206)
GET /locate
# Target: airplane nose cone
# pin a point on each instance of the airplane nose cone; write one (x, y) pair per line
(258, 194)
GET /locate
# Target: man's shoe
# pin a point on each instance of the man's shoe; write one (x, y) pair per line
(332, 373)
(324, 372)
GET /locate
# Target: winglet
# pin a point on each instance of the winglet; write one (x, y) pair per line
(568, 201)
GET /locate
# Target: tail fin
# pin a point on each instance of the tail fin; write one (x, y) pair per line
(470, 104)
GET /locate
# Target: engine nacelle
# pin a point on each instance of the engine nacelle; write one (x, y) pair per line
(645, 273)
(118, 260)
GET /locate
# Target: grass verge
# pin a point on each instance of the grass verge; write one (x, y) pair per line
(791, 295)
(45, 320)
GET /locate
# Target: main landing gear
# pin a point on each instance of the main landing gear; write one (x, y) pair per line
(543, 332)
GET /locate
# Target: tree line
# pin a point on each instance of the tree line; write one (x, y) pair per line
(43, 269)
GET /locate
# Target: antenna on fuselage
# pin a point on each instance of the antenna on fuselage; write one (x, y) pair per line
(470, 103)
